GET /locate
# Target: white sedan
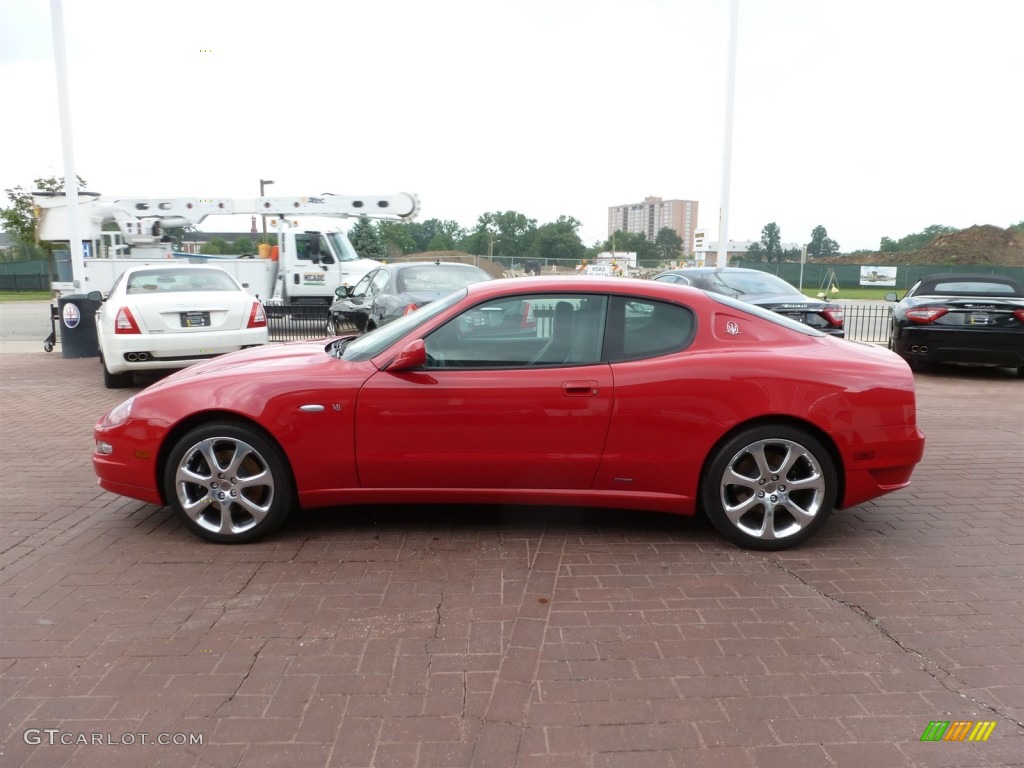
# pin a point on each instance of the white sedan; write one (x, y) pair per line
(167, 317)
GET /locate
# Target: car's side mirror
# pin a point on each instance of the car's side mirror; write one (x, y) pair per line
(94, 296)
(413, 356)
(891, 296)
(342, 291)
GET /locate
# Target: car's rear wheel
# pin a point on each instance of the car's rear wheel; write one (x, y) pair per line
(116, 380)
(228, 483)
(769, 487)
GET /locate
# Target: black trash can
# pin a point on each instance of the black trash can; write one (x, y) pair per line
(78, 326)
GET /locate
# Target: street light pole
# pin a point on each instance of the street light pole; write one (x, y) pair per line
(264, 183)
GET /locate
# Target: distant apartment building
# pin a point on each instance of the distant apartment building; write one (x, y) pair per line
(654, 213)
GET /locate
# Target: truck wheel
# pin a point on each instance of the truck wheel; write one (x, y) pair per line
(228, 483)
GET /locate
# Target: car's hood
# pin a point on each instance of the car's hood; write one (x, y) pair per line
(292, 357)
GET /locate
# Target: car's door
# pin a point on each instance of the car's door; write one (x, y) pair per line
(509, 398)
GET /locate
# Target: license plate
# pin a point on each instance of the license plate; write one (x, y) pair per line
(979, 318)
(195, 319)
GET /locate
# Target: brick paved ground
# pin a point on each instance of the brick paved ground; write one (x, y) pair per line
(509, 637)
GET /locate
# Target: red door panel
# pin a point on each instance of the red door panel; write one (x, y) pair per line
(528, 428)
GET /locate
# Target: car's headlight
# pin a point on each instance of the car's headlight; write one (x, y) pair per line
(119, 414)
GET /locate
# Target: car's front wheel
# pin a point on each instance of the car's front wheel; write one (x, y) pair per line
(769, 487)
(228, 483)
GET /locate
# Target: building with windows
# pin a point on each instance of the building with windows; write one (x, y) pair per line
(654, 213)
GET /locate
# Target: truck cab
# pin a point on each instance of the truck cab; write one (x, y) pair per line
(315, 263)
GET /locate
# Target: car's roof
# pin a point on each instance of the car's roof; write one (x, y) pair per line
(403, 264)
(584, 284)
(175, 265)
(929, 282)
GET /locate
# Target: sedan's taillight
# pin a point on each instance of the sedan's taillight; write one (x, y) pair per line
(1019, 314)
(926, 314)
(257, 316)
(409, 309)
(834, 316)
(124, 322)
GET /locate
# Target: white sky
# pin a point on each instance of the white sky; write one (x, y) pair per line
(871, 117)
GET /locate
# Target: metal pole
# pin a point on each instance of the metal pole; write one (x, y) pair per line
(730, 87)
(70, 177)
(263, 183)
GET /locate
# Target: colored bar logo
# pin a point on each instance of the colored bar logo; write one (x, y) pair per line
(958, 730)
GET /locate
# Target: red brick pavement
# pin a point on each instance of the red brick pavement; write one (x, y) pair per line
(503, 636)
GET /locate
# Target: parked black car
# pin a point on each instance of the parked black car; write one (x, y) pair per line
(763, 289)
(960, 319)
(394, 290)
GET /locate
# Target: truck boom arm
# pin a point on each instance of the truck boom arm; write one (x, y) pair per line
(137, 211)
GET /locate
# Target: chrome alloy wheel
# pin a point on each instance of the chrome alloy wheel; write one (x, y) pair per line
(224, 485)
(772, 489)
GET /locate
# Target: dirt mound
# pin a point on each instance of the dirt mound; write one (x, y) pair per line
(984, 245)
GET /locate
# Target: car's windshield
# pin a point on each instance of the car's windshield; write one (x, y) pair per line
(764, 314)
(178, 281)
(376, 341)
(747, 283)
(438, 277)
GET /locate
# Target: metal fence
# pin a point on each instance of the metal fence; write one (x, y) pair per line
(865, 321)
(296, 322)
(24, 283)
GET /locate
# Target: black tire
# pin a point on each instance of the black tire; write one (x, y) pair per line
(769, 487)
(243, 498)
(116, 380)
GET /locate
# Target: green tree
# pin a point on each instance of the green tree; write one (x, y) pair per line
(1018, 226)
(19, 218)
(634, 242)
(821, 245)
(365, 240)
(771, 242)
(242, 244)
(395, 236)
(754, 253)
(668, 244)
(916, 240)
(215, 247)
(558, 240)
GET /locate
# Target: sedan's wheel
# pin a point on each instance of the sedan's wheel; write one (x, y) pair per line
(769, 487)
(228, 483)
(116, 380)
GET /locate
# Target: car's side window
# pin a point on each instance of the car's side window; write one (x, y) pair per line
(542, 330)
(640, 328)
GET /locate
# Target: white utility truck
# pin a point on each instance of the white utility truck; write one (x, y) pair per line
(306, 267)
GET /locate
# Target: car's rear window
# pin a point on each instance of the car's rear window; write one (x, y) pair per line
(954, 287)
(438, 277)
(738, 284)
(178, 281)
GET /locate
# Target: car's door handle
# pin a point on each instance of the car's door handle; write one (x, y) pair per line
(580, 388)
(295, 277)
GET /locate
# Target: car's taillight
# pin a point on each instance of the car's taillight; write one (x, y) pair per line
(124, 322)
(834, 316)
(926, 314)
(1019, 314)
(409, 309)
(526, 320)
(257, 316)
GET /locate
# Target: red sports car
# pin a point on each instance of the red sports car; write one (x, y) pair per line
(580, 391)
